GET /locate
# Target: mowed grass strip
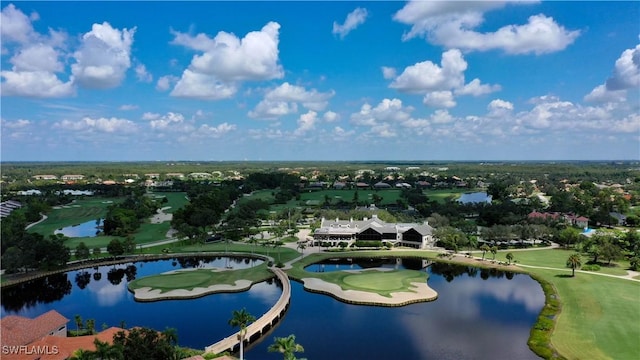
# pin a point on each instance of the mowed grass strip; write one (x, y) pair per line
(190, 279)
(600, 317)
(556, 258)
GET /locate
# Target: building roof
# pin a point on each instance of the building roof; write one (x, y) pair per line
(59, 348)
(18, 330)
(338, 226)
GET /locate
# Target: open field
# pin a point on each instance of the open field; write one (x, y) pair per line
(80, 211)
(442, 195)
(286, 254)
(600, 317)
(556, 258)
(89, 209)
(176, 200)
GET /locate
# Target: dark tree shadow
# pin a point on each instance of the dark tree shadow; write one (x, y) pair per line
(564, 275)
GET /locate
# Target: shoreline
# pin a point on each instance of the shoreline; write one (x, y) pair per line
(419, 292)
(148, 294)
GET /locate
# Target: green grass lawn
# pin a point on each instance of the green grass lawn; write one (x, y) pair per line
(176, 200)
(443, 195)
(80, 211)
(89, 209)
(600, 317)
(381, 282)
(190, 279)
(389, 196)
(557, 258)
(285, 254)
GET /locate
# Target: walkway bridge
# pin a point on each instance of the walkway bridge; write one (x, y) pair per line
(261, 326)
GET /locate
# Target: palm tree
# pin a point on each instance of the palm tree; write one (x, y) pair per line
(91, 326)
(484, 249)
(574, 262)
(106, 351)
(241, 318)
(287, 346)
(78, 319)
(494, 251)
(302, 246)
(82, 354)
(509, 257)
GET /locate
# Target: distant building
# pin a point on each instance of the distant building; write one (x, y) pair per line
(8, 206)
(45, 177)
(175, 175)
(381, 185)
(199, 175)
(620, 218)
(72, 177)
(334, 232)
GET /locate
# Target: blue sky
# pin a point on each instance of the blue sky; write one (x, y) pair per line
(296, 80)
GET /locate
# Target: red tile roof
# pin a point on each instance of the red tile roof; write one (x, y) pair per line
(60, 348)
(18, 330)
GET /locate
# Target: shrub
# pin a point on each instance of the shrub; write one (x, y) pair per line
(590, 267)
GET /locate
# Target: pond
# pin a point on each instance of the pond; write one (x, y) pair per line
(476, 197)
(479, 314)
(87, 229)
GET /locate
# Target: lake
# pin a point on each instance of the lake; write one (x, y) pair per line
(476, 197)
(479, 314)
(86, 229)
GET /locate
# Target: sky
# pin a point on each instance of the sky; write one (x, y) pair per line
(330, 81)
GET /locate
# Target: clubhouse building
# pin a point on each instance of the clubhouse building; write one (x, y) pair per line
(334, 232)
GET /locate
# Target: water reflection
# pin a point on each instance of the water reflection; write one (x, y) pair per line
(472, 318)
(87, 229)
(39, 291)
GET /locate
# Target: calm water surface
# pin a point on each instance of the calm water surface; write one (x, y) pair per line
(87, 229)
(479, 314)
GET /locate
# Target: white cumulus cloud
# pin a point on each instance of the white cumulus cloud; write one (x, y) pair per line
(285, 98)
(626, 76)
(426, 76)
(354, 19)
(452, 25)
(36, 58)
(104, 125)
(227, 60)
(104, 57)
(439, 99)
(306, 122)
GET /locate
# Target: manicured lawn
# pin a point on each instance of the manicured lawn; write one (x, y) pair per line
(286, 254)
(389, 196)
(381, 282)
(189, 279)
(443, 195)
(176, 200)
(89, 209)
(556, 258)
(600, 317)
(80, 211)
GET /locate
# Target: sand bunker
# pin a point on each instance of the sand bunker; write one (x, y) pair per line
(149, 294)
(419, 292)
